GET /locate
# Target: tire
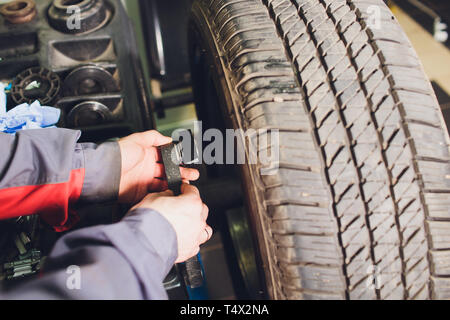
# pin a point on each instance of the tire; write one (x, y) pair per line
(360, 206)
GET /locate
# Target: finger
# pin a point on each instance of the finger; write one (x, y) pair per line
(155, 153)
(158, 157)
(153, 138)
(205, 212)
(187, 174)
(158, 185)
(207, 234)
(166, 193)
(189, 190)
(159, 171)
(210, 232)
(190, 174)
(195, 252)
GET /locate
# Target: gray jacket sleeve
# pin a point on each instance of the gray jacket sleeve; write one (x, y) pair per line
(126, 260)
(44, 171)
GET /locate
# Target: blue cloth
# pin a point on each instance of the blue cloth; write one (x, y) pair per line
(26, 117)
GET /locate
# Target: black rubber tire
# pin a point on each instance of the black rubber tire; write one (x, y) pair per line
(363, 187)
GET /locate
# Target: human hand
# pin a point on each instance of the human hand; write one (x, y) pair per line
(142, 170)
(187, 214)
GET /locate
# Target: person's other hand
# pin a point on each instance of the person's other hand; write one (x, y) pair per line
(142, 170)
(187, 214)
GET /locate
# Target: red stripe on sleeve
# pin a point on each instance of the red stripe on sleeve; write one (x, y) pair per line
(50, 201)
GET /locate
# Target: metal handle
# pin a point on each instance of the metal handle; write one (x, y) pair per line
(171, 157)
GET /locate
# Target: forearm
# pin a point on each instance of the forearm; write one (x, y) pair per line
(44, 171)
(119, 261)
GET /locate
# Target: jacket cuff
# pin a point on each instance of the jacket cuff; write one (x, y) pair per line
(103, 165)
(158, 232)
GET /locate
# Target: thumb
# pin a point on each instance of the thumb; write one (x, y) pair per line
(166, 193)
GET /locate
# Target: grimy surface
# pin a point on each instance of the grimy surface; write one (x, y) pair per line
(363, 189)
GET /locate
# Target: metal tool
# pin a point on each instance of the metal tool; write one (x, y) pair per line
(46, 89)
(89, 113)
(25, 265)
(89, 79)
(93, 15)
(19, 11)
(174, 155)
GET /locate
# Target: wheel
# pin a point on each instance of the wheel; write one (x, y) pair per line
(359, 207)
